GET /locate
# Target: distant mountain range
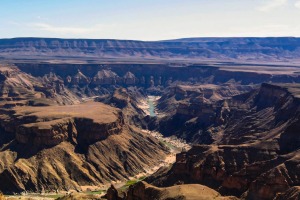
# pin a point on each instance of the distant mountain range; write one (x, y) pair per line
(244, 49)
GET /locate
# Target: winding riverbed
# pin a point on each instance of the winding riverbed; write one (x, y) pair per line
(151, 103)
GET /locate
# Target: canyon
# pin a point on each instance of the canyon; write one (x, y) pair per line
(77, 114)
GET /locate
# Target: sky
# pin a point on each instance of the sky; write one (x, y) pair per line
(149, 19)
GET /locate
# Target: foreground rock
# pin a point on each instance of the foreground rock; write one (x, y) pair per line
(145, 191)
(291, 194)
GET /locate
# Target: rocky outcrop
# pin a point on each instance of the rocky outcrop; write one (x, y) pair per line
(247, 172)
(252, 136)
(258, 172)
(128, 99)
(113, 194)
(19, 87)
(145, 191)
(163, 75)
(68, 149)
(45, 146)
(105, 77)
(291, 194)
(130, 79)
(51, 125)
(192, 110)
(80, 79)
(249, 155)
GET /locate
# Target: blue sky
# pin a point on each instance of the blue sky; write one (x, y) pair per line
(148, 19)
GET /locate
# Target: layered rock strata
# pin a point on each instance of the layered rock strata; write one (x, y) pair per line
(254, 151)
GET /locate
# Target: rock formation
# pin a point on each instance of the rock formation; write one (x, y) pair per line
(80, 79)
(23, 88)
(129, 79)
(191, 110)
(254, 149)
(291, 194)
(46, 145)
(105, 77)
(145, 191)
(147, 75)
(248, 49)
(55, 133)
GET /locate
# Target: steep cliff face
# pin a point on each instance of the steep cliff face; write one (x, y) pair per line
(46, 145)
(252, 131)
(51, 125)
(201, 116)
(65, 147)
(67, 166)
(269, 112)
(251, 156)
(148, 75)
(192, 109)
(255, 170)
(195, 48)
(19, 87)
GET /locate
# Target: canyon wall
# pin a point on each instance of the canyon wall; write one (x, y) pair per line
(148, 75)
(51, 140)
(254, 145)
(194, 48)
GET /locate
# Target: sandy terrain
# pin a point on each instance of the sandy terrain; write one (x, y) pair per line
(143, 104)
(91, 110)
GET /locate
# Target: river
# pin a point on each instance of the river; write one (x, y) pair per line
(151, 105)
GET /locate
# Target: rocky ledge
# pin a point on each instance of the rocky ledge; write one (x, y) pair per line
(56, 147)
(51, 125)
(254, 153)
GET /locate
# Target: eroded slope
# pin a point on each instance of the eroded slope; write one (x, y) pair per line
(46, 145)
(255, 150)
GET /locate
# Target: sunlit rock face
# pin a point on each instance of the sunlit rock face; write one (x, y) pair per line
(254, 150)
(52, 139)
(55, 133)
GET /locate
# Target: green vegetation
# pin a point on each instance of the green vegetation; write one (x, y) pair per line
(168, 145)
(95, 192)
(131, 182)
